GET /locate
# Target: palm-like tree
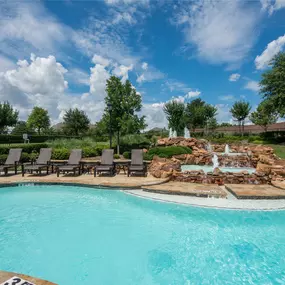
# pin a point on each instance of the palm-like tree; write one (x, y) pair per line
(175, 114)
(240, 110)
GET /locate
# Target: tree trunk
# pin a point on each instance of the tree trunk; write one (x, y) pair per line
(39, 131)
(242, 127)
(118, 142)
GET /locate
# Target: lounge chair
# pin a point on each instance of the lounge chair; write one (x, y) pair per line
(137, 165)
(107, 163)
(12, 160)
(42, 162)
(73, 163)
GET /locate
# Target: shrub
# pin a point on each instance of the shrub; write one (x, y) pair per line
(90, 151)
(61, 153)
(127, 154)
(116, 156)
(130, 142)
(28, 147)
(166, 152)
(25, 157)
(3, 158)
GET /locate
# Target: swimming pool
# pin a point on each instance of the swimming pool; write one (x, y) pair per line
(76, 235)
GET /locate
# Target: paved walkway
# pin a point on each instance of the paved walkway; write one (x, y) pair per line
(119, 180)
(188, 189)
(242, 191)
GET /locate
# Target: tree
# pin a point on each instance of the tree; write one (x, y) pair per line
(8, 116)
(21, 128)
(38, 120)
(212, 124)
(210, 113)
(264, 115)
(198, 114)
(273, 84)
(240, 110)
(126, 103)
(75, 122)
(175, 112)
(225, 125)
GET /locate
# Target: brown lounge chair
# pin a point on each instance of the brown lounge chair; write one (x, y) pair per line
(42, 162)
(137, 165)
(107, 163)
(73, 163)
(12, 161)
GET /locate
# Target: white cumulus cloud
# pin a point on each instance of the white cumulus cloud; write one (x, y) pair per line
(192, 94)
(234, 77)
(273, 48)
(222, 31)
(252, 85)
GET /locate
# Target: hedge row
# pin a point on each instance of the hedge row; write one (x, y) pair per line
(26, 147)
(166, 152)
(11, 139)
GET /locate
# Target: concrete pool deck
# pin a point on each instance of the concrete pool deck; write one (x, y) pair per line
(119, 180)
(4, 276)
(241, 196)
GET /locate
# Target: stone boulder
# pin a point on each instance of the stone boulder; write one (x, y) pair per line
(163, 168)
(263, 168)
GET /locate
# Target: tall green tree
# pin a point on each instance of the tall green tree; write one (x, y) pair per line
(38, 119)
(199, 114)
(125, 104)
(210, 113)
(75, 122)
(264, 115)
(175, 114)
(273, 84)
(8, 116)
(240, 111)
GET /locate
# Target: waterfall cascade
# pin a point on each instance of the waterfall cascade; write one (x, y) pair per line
(227, 149)
(186, 134)
(215, 161)
(209, 147)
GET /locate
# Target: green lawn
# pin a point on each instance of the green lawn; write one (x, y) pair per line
(279, 150)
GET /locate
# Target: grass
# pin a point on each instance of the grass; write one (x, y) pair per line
(279, 150)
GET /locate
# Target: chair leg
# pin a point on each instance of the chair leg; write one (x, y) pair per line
(16, 169)
(23, 171)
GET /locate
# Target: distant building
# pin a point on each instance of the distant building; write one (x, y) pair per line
(253, 129)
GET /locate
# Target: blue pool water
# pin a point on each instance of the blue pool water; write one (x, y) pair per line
(73, 235)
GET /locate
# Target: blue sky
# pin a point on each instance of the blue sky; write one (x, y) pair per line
(59, 54)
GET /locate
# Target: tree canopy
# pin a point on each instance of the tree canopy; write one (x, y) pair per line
(240, 111)
(273, 84)
(175, 114)
(125, 104)
(199, 114)
(264, 115)
(75, 122)
(38, 120)
(8, 116)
